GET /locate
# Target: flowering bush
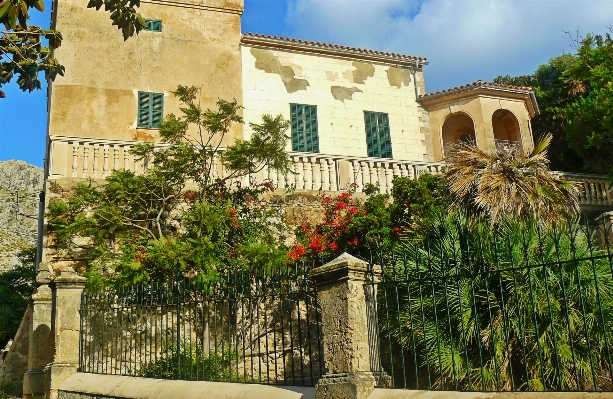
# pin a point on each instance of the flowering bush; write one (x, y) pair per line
(374, 223)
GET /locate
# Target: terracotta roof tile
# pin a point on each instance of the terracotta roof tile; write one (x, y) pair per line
(320, 45)
(474, 85)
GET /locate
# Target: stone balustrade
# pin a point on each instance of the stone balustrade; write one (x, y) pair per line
(74, 157)
(594, 190)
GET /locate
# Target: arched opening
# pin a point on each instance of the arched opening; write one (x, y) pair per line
(506, 128)
(458, 128)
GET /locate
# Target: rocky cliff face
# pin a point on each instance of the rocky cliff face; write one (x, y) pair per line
(20, 185)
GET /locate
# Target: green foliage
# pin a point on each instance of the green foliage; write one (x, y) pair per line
(16, 286)
(574, 94)
(179, 216)
(22, 51)
(376, 223)
(483, 307)
(193, 364)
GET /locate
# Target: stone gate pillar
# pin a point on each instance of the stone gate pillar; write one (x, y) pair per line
(347, 355)
(67, 289)
(40, 345)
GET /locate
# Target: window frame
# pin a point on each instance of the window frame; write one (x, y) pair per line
(149, 116)
(154, 25)
(305, 128)
(379, 146)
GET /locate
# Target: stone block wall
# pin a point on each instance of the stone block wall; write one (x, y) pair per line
(342, 89)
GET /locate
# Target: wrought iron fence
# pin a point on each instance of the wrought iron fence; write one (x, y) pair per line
(506, 309)
(251, 327)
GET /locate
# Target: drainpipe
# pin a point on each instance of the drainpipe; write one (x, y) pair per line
(39, 237)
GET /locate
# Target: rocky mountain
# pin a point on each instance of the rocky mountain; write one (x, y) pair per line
(20, 185)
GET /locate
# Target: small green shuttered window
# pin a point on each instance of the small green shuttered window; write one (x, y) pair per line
(153, 25)
(150, 109)
(378, 138)
(304, 128)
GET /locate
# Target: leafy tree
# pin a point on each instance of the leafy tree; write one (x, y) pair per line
(16, 286)
(574, 93)
(179, 216)
(508, 183)
(23, 51)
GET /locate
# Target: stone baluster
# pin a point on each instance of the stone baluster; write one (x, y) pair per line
(345, 289)
(307, 173)
(105, 163)
(75, 159)
(115, 157)
(317, 178)
(333, 174)
(325, 174)
(395, 169)
(290, 178)
(96, 161)
(365, 174)
(388, 178)
(299, 173)
(412, 172)
(127, 164)
(85, 160)
(354, 172)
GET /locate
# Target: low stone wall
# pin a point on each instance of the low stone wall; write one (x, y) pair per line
(91, 386)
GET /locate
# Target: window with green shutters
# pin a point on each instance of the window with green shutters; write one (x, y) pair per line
(153, 25)
(150, 109)
(378, 138)
(304, 128)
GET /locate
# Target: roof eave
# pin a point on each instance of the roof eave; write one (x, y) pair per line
(339, 52)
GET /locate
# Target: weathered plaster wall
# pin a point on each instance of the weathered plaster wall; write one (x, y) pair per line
(342, 90)
(480, 109)
(97, 97)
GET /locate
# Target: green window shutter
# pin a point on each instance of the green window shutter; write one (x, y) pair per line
(153, 25)
(157, 109)
(150, 109)
(378, 138)
(305, 136)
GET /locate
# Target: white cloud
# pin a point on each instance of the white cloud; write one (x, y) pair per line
(463, 40)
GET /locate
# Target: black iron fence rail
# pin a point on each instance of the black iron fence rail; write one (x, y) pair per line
(508, 309)
(251, 327)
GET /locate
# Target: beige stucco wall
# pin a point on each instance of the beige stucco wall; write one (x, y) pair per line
(97, 97)
(342, 89)
(480, 109)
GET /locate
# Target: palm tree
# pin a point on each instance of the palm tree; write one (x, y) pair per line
(511, 308)
(509, 182)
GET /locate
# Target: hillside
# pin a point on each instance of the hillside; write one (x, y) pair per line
(20, 185)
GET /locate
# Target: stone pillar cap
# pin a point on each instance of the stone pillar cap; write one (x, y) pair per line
(345, 267)
(68, 277)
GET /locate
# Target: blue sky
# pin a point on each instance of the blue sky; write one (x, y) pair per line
(463, 41)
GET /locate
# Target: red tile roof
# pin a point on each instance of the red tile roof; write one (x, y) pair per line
(250, 38)
(474, 85)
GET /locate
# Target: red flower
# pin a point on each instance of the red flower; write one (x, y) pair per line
(317, 245)
(296, 252)
(353, 242)
(333, 246)
(304, 227)
(339, 206)
(344, 196)
(352, 210)
(396, 231)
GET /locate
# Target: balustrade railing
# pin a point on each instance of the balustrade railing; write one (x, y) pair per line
(96, 158)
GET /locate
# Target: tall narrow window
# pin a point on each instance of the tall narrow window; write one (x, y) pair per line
(304, 128)
(153, 25)
(150, 109)
(378, 138)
